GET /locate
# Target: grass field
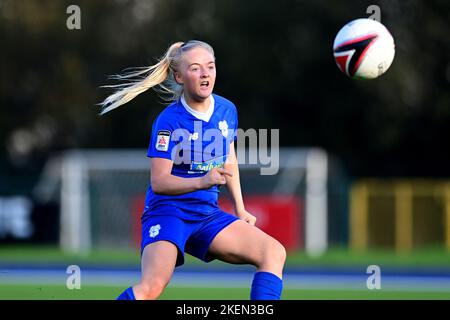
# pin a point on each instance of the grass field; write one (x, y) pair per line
(26, 255)
(29, 292)
(427, 257)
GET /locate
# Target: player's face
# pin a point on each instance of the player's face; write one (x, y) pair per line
(197, 73)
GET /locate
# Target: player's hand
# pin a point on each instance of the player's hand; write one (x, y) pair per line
(247, 217)
(215, 176)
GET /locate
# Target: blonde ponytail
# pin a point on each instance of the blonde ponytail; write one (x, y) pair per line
(159, 76)
(139, 80)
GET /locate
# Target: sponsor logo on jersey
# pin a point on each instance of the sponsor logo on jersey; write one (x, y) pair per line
(193, 136)
(208, 165)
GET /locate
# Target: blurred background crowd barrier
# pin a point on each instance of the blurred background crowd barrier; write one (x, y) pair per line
(401, 214)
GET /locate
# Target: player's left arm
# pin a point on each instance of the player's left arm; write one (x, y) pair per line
(234, 187)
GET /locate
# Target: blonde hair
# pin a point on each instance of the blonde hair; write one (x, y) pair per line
(159, 76)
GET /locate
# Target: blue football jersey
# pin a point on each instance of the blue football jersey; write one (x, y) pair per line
(195, 146)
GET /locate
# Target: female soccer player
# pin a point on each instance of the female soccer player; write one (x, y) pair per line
(192, 154)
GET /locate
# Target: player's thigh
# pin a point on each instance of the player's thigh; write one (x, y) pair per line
(241, 242)
(158, 262)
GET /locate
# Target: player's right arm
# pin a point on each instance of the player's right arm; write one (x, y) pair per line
(165, 183)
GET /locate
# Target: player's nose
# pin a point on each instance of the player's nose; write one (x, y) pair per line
(205, 73)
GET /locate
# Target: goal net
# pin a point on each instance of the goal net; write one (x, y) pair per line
(101, 195)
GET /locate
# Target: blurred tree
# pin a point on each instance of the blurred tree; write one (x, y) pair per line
(274, 61)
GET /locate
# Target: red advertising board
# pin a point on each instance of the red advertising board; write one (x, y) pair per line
(277, 215)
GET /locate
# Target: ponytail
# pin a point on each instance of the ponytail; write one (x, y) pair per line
(159, 76)
(141, 79)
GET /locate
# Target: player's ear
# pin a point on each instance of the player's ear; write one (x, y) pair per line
(178, 77)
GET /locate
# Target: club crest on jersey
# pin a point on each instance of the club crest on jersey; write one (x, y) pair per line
(223, 126)
(154, 230)
(162, 140)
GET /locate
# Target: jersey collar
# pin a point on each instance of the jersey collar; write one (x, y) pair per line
(205, 116)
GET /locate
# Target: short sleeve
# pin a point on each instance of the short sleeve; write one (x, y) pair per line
(161, 144)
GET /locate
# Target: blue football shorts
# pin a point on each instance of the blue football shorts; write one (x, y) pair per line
(190, 236)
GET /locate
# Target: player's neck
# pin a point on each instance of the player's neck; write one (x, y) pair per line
(200, 106)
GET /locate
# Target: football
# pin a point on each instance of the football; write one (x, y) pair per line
(364, 48)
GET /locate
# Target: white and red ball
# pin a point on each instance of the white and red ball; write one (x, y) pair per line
(364, 48)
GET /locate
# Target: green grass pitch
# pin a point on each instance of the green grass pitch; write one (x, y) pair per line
(57, 292)
(34, 255)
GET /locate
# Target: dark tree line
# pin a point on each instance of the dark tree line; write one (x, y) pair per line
(274, 61)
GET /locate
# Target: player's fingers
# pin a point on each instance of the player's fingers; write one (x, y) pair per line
(222, 180)
(224, 171)
(250, 220)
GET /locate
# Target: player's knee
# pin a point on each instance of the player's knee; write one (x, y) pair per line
(151, 293)
(275, 253)
(150, 290)
(279, 252)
